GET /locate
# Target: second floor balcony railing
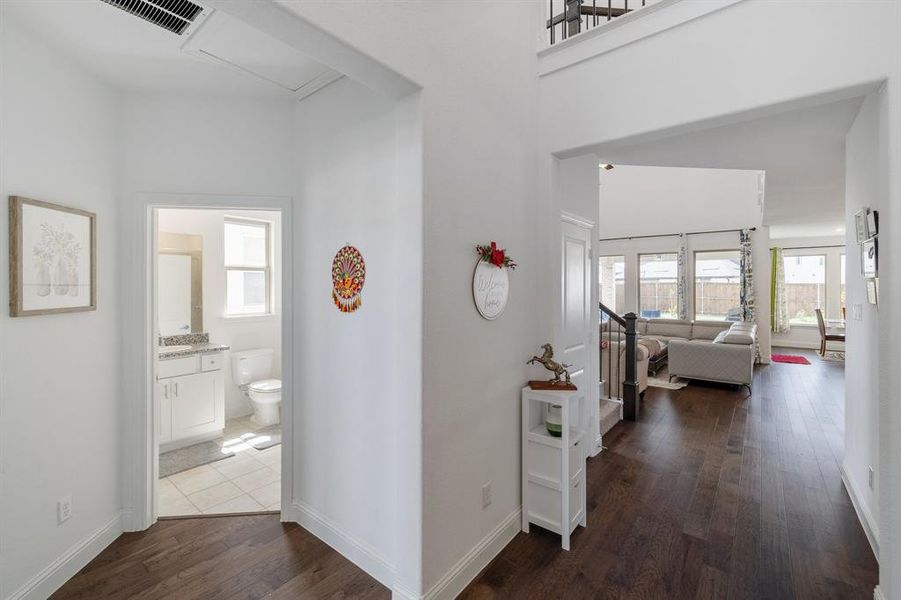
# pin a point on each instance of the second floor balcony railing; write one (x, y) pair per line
(571, 17)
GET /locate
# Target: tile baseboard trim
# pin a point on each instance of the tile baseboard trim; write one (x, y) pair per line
(358, 552)
(863, 513)
(472, 563)
(53, 576)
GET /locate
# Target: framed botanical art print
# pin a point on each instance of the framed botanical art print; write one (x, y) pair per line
(869, 258)
(872, 223)
(860, 224)
(52, 258)
(873, 290)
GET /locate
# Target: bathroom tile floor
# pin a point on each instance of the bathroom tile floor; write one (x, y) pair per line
(249, 481)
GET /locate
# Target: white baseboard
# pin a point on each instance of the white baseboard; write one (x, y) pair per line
(877, 594)
(358, 552)
(69, 563)
(863, 512)
(401, 593)
(132, 522)
(472, 563)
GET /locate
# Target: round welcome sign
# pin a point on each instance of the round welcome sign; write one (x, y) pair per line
(490, 283)
(490, 289)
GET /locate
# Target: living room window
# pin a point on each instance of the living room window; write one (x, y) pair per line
(247, 267)
(718, 285)
(657, 290)
(805, 287)
(611, 277)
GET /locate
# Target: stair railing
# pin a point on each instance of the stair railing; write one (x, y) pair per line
(582, 15)
(619, 366)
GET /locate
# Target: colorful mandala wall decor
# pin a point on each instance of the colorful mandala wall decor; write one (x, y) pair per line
(348, 276)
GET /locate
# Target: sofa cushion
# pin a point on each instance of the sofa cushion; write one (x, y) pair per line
(741, 333)
(666, 339)
(720, 337)
(708, 330)
(655, 346)
(670, 328)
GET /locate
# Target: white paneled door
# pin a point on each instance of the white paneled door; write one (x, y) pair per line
(578, 319)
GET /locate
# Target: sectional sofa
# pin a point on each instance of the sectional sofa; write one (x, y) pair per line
(707, 350)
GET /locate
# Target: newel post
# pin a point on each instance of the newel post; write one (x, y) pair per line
(630, 385)
(572, 14)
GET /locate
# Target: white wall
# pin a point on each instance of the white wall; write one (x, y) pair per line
(239, 333)
(59, 374)
(666, 200)
(865, 181)
(205, 145)
(832, 247)
(849, 50)
(479, 124)
(673, 200)
(348, 365)
(575, 193)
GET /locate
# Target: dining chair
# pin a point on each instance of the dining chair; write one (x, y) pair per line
(826, 337)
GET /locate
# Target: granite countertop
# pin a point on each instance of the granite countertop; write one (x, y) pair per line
(199, 343)
(205, 348)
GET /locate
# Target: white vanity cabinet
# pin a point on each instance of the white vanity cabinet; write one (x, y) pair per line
(191, 392)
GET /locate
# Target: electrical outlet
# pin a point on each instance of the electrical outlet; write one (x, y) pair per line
(486, 495)
(872, 478)
(63, 509)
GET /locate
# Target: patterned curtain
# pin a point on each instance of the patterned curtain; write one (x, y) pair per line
(747, 277)
(682, 277)
(748, 312)
(778, 309)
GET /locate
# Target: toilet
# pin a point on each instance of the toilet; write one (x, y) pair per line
(251, 372)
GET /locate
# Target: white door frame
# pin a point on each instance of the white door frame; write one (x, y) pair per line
(139, 345)
(592, 369)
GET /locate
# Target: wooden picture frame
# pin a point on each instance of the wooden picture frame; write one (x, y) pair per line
(52, 251)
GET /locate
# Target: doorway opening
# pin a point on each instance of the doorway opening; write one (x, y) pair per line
(217, 357)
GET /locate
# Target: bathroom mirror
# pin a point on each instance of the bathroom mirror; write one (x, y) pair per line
(179, 284)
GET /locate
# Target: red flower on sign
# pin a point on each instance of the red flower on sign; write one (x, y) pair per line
(495, 256)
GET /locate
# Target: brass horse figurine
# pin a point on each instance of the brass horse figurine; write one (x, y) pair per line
(551, 365)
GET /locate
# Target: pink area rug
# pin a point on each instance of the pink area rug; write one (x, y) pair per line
(793, 359)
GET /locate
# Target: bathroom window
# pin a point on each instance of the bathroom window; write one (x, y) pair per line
(248, 267)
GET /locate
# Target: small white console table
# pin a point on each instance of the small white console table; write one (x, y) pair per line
(553, 468)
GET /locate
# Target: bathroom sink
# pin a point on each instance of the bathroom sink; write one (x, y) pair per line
(168, 349)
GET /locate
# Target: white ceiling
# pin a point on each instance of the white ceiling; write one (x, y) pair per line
(132, 54)
(802, 152)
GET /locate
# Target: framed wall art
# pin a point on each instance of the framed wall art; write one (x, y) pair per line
(52, 258)
(869, 258)
(860, 225)
(873, 290)
(872, 224)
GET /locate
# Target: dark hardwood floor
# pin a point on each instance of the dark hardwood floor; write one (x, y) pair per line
(221, 558)
(712, 495)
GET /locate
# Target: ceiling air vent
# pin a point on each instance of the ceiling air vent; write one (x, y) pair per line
(172, 15)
